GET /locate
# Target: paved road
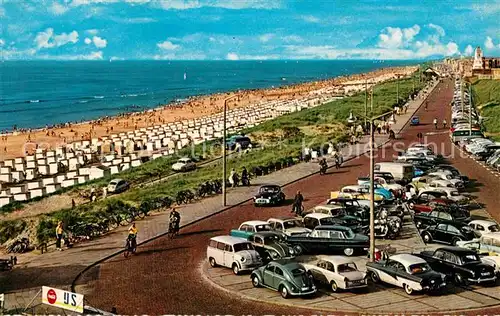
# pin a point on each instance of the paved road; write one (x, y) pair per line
(166, 272)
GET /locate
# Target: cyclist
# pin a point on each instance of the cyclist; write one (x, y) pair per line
(323, 166)
(175, 219)
(132, 236)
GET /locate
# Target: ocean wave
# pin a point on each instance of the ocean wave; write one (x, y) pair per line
(83, 101)
(33, 101)
(98, 97)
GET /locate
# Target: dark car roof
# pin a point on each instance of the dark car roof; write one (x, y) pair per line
(288, 263)
(332, 227)
(270, 186)
(458, 250)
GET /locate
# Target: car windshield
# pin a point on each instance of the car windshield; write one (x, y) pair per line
(292, 223)
(494, 228)
(347, 267)
(243, 246)
(261, 228)
(419, 268)
(269, 190)
(470, 258)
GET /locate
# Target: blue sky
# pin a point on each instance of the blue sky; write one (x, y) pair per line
(246, 29)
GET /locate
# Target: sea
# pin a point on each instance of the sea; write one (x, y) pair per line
(36, 94)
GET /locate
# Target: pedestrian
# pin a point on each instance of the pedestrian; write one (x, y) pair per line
(426, 105)
(420, 137)
(444, 123)
(104, 192)
(73, 204)
(59, 235)
(435, 123)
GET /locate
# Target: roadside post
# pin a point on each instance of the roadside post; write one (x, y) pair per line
(224, 166)
(470, 109)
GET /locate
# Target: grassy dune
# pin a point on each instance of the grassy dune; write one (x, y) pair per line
(486, 95)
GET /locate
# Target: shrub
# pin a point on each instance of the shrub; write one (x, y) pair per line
(11, 229)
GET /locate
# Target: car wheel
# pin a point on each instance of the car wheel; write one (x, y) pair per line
(408, 289)
(284, 291)
(348, 252)
(298, 250)
(455, 241)
(374, 277)
(459, 279)
(427, 238)
(255, 281)
(212, 262)
(236, 269)
(334, 286)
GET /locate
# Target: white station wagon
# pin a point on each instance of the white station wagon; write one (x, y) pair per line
(338, 272)
(184, 164)
(233, 252)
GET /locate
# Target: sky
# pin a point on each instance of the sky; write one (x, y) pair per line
(246, 29)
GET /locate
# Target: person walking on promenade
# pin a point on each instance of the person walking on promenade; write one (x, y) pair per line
(59, 235)
(435, 123)
(444, 123)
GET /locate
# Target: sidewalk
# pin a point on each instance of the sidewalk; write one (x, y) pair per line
(60, 268)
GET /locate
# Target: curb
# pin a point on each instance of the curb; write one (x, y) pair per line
(80, 274)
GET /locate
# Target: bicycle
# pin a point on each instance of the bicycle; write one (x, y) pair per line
(130, 246)
(173, 229)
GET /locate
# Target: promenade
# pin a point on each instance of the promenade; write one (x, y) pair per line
(59, 269)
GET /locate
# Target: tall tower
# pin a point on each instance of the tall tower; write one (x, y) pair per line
(478, 58)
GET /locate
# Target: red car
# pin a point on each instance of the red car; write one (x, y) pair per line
(429, 206)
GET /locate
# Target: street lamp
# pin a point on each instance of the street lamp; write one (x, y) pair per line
(224, 167)
(397, 90)
(372, 183)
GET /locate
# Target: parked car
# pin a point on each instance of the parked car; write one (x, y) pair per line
(338, 272)
(356, 191)
(447, 234)
(317, 219)
(271, 245)
(249, 228)
(288, 225)
(486, 243)
(448, 177)
(407, 271)
(285, 276)
(118, 185)
(233, 252)
(328, 209)
(440, 216)
(424, 197)
(415, 120)
(238, 141)
(327, 239)
(462, 265)
(184, 164)
(270, 194)
(429, 206)
(453, 194)
(483, 227)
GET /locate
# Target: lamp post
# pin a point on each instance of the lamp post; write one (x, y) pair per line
(366, 100)
(372, 184)
(397, 89)
(470, 109)
(372, 194)
(224, 166)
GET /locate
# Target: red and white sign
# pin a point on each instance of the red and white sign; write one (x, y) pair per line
(62, 299)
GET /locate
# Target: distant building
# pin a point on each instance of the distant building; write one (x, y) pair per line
(485, 67)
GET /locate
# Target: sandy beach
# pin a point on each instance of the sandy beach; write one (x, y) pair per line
(17, 142)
